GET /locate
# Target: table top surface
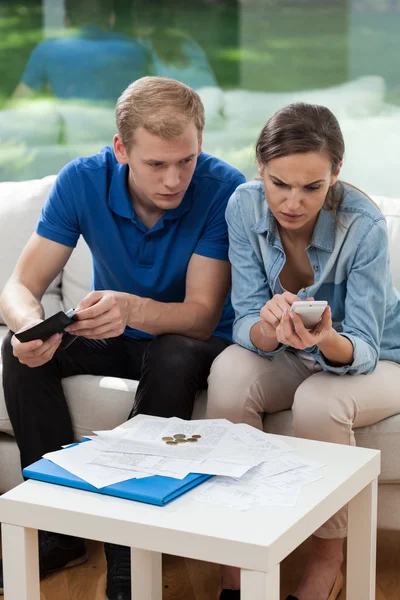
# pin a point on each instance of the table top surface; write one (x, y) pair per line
(346, 472)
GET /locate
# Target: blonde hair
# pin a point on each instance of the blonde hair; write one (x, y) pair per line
(160, 105)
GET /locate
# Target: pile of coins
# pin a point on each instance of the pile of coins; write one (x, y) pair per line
(180, 438)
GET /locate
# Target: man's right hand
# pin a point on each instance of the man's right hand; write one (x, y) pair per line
(273, 311)
(35, 353)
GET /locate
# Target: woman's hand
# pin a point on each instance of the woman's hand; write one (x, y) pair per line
(292, 332)
(272, 312)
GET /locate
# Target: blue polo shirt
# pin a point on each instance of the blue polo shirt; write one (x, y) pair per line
(90, 198)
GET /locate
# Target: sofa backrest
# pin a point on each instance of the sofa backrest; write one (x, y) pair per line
(20, 204)
(391, 209)
(77, 275)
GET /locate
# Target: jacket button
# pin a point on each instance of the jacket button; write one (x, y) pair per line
(316, 267)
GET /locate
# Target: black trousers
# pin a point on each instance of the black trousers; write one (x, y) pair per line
(170, 369)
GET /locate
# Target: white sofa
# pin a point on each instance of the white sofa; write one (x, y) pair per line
(105, 402)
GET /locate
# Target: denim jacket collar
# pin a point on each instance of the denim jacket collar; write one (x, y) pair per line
(324, 230)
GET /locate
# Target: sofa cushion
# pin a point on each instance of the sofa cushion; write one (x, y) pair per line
(5, 425)
(20, 204)
(10, 466)
(77, 275)
(97, 402)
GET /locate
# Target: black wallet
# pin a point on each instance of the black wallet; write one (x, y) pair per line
(54, 324)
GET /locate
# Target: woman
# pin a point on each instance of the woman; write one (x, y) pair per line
(299, 234)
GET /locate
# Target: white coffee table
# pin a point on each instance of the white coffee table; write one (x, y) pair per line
(256, 540)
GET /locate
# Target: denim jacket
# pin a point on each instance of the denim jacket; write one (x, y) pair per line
(350, 259)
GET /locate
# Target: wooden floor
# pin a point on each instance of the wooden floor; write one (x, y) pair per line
(194, 580)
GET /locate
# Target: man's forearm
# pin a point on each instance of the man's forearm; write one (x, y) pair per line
(18, 306)
(262, 338)
(185, 318)
(337, 349)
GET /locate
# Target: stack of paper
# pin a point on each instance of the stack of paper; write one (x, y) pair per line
(252, 468)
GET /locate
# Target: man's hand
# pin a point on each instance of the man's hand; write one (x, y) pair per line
(101, 315)
(292, 332)
(35, 353)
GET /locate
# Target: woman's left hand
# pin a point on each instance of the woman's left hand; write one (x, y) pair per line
(292, 332)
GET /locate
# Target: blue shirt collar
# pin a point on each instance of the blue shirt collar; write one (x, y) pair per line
(121, 203)
(119, 199)
(323, 234)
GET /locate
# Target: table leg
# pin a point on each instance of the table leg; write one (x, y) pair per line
(259, 586)
(20, 563)
(146, 574)
(361, 544)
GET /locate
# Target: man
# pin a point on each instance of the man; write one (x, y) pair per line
(89, 62)
(152, 212)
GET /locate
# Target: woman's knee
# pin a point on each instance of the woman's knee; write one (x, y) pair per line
(230, 381)
(321, 410)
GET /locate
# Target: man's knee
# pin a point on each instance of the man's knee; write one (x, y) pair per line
(7, 353)
(6, 345)
(173, 353)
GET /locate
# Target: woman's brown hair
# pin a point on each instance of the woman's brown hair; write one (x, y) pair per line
(299, 128)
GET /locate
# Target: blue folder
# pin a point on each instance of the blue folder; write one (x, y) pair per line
(152, 490)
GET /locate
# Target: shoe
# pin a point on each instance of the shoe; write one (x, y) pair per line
(230, 595)
(335, 591)
(56, 551)
(118, 572)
